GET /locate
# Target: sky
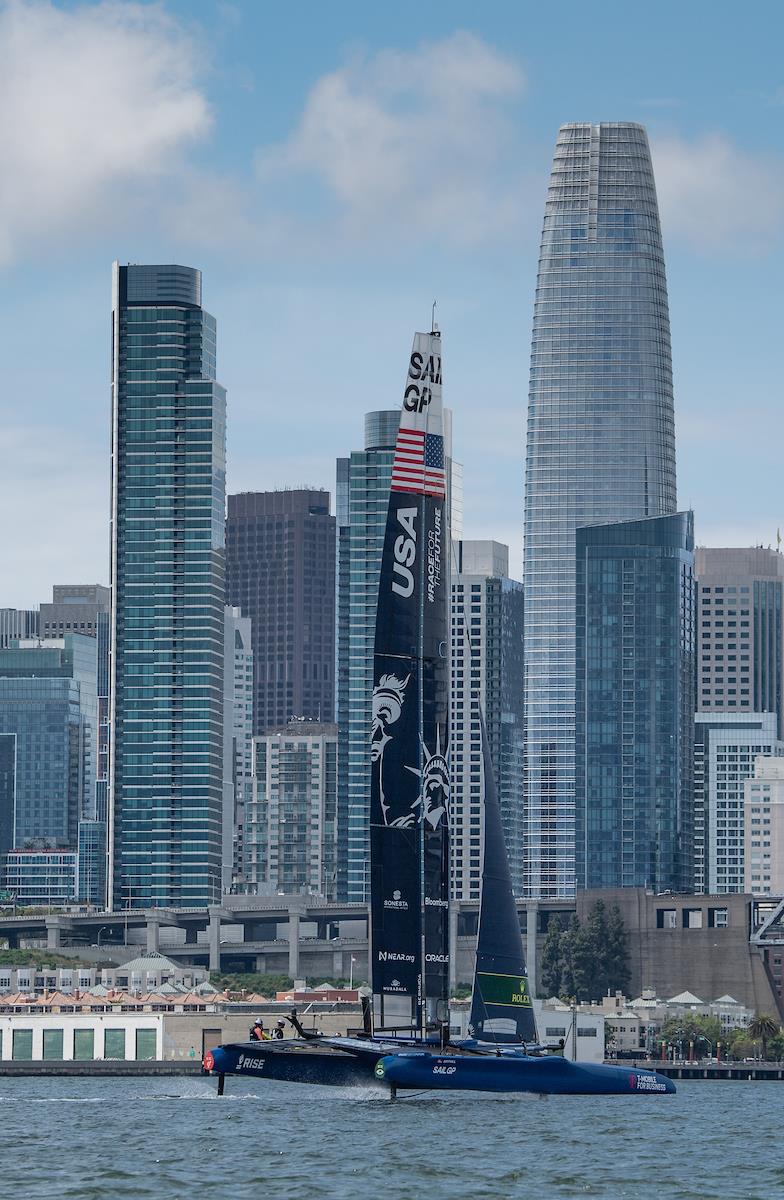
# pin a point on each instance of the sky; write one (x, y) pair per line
(333, 169)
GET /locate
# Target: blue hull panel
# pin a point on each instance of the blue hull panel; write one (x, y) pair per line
(517, 1073)
(293, 1062)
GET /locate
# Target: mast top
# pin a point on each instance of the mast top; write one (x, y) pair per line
(436, 332)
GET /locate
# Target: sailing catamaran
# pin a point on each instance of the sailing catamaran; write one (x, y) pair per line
(410, 1046)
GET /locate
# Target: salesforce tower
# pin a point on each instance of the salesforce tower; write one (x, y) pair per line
(600, 437)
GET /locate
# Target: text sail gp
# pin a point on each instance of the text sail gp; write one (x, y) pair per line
(409, 798)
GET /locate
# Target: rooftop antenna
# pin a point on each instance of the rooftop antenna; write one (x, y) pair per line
(433, 326)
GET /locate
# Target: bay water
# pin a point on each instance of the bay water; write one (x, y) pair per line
(172, 1139)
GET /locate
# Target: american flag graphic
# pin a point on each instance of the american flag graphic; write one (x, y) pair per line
(419, 463)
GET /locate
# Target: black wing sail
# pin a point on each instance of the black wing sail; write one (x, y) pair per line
(409, 849)
(501, 1007)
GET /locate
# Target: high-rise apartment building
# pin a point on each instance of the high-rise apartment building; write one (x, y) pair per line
(763, 810)
(280, 570)
(635, 704)
(49, 710)
(16, 623)
(237, 742)
(291, 830)
(361, 502)
(740, 624)
(726, 749)
(487, 675)
(168, 584)
(600, 445)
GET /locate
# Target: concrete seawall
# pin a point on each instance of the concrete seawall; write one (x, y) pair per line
(105, 1067)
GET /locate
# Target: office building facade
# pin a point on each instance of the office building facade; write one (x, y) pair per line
(763, 812)
(16, 623)
(600, 437)
(49, 716)
(86, 609)
(740, 624)
(280, 571)
(726, 749)
(168, 584)
(487, 677)
(634, 710)
(291, 830)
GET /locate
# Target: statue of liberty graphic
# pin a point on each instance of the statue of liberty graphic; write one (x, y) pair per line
(433, 799)
(388, 697)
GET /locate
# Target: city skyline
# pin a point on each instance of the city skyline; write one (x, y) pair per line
(233, 171)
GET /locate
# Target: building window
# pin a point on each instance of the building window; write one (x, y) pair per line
(53, 1043)
(114, 1043)
(22, 1044)
(84, 1044)
(666, 918)
(692, 918)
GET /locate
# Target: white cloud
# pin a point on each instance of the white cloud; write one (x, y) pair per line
(415, 141)
(716, 195)
(98, 103)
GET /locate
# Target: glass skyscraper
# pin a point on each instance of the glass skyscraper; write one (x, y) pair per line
(361, 501)
(635, 704)
(168, 498)
(600, 444)
(48, 750)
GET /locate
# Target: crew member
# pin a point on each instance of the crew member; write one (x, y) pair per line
(278, 1030)
(257, 1032)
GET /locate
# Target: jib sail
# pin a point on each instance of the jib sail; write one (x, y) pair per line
(501, 1008)
(409, 799)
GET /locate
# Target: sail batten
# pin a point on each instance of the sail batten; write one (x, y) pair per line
(409, 848)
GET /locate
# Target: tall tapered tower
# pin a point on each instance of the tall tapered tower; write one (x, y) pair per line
(601, 443)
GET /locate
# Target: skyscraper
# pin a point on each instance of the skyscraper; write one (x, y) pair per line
(168, 496)
(635, 704)
(600, 444)
(280, 570)
(740, 617)
(487, 675)
(361, 502)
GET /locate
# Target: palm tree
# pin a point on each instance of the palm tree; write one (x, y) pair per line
(762, 1029)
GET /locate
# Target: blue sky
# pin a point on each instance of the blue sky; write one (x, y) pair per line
(332, 169)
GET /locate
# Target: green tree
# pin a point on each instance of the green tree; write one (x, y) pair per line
(551, 964)
(762, 1029)
(702, 1032)
(569, 946)
(584, 969)
(738, 1044)
(776, 1047)
(617, 952)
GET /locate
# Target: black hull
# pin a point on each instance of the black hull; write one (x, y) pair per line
(295, 1062)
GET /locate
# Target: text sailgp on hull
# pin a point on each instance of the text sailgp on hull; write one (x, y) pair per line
(409, 797)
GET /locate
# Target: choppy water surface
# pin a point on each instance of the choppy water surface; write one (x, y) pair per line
(172, 1138)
